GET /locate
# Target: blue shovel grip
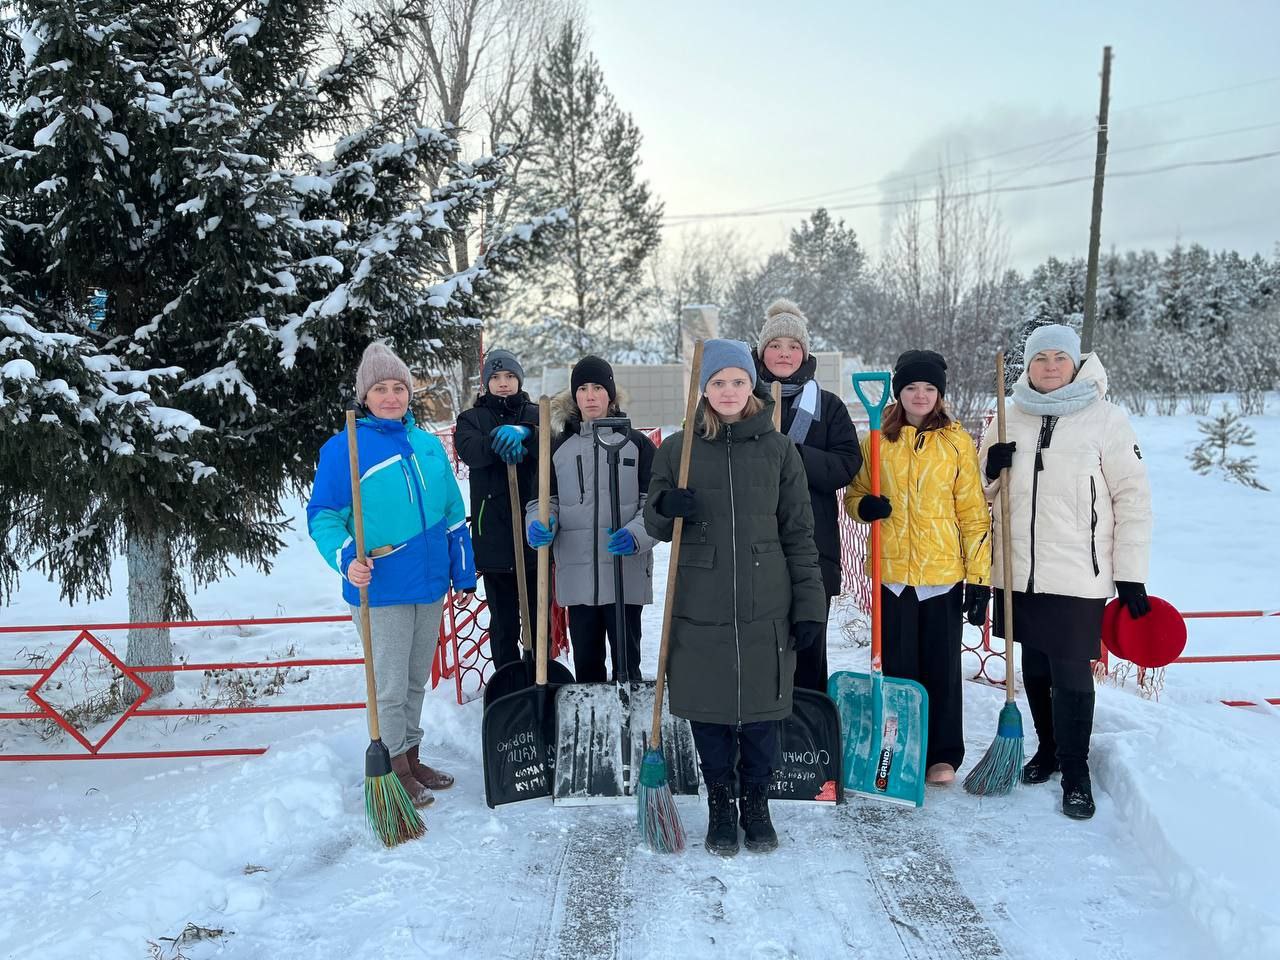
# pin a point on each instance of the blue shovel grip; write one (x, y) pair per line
(874, 410)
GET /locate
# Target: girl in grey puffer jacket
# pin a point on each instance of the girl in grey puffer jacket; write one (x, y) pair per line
(583, 543)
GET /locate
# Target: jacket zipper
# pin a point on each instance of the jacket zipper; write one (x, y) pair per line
(582, 483)
(1093, 524)
(480, 518)
(733, 534)
(408, 480)
(595, 520)
(1042, 442)
(422, 512)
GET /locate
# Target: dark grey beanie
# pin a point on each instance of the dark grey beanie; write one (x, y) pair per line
(500, 359)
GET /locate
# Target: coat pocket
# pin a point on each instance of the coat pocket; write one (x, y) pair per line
(701, 555)
(770, 582)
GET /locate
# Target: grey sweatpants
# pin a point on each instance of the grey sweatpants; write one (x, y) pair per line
(403, 638)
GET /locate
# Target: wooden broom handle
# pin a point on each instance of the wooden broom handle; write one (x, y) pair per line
(775, 390)
(1006, 554)
(357, 522)
(544, 553)
(673, 564)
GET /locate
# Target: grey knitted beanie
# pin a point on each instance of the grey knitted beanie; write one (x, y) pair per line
(380, 363)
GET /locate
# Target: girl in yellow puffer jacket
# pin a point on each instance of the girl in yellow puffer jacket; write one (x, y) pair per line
(936, 539)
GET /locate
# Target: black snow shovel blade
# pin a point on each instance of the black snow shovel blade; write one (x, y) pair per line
(810, 766)
(589, 732)
(519, 746)
(594, 724)
(677, 739)
(514, 677)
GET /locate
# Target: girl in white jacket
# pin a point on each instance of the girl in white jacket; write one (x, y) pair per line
(1080, 520)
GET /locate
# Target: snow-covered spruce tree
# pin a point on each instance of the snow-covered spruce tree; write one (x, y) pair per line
(162, 152)
(586, 157)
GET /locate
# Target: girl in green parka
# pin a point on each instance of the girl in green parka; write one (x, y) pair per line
(750, 589)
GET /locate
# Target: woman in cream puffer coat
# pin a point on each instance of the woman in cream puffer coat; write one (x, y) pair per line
(1080, 526)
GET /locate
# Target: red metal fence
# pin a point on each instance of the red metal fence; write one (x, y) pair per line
(462, 657)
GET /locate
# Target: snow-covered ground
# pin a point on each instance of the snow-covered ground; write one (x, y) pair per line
(103, 859)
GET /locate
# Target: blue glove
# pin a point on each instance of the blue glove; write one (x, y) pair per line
(540, 536)
(622, 543)
(508, 442)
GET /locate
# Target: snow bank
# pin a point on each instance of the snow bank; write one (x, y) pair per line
(1199, 787)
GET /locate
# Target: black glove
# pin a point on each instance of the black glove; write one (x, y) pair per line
(805, 633)
(976, 598)
(676, 502)
(874, 508)
(999, 457)
(1133, 596)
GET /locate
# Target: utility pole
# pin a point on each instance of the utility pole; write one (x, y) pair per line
(1095, 218)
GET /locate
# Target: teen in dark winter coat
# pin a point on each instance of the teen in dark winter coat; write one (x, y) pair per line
(749, 592)
(583, 544)
(500, 429)
(819, 424)
(415, 531)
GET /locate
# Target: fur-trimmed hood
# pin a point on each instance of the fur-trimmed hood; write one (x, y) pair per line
(565, 415)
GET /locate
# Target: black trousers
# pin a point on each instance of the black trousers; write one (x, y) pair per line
(1065, 673)
(503, 597)
(811, 663)
(728, 752)
(588, 627)
(921, 641)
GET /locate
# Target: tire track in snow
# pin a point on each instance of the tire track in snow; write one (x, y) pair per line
(912, 876)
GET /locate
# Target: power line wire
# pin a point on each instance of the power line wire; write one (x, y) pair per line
(1119, 174)
(1198, 95)
(933, 171)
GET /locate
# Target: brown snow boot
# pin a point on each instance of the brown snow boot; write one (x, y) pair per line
(427, 776)
(419, 794)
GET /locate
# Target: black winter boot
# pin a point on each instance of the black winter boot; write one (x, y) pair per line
(760, 835)
(722, 820)
(1044, 762)
(1073, 726)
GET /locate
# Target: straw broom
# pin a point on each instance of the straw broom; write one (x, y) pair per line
(387, 806)
(656, 812)
(999, 770)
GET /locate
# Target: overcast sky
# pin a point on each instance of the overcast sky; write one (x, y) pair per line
(745, 105)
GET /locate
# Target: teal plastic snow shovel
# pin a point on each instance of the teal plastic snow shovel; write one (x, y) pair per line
(885, 720)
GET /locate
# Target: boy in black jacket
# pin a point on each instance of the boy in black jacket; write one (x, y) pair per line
(499, 429)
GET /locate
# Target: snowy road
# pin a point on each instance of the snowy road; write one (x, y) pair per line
(110, 858)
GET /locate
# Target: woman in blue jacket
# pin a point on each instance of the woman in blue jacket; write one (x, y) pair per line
(417, 541)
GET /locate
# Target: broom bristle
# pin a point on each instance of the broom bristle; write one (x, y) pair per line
(390, 812)
(1000, 768)
(656, 812)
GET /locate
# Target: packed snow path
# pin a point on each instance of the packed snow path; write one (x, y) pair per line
(104, 857)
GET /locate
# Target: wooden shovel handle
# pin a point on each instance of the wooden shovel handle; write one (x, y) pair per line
(1006, 552)
(673, 564)
(357, 522)
(775, 391)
